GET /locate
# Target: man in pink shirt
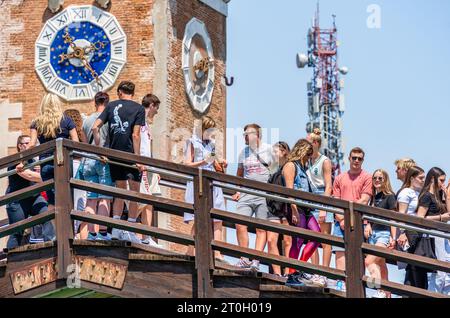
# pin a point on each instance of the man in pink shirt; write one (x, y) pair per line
(354, 185)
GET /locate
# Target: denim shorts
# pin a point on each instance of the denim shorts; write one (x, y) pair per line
(338, 232)
(330, 216)
(382, 237)
(96, 172)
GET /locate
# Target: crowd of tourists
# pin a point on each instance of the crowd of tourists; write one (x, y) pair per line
(125, 125)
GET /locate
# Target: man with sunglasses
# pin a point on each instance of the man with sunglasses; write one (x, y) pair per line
(354, 185)
(255, 163)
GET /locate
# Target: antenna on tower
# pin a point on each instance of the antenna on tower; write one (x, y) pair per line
(325, 100)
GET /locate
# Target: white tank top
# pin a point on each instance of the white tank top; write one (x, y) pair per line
(315, 173)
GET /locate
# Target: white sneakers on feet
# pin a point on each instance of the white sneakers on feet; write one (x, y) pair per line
(319, 280)
(130, 237)
(117, 234)
(380, 294)
(149, 241)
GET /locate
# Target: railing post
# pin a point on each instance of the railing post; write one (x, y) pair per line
(63, 208)
(204, 263)
(354, 258)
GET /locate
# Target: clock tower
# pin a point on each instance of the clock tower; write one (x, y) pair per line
(175, 49)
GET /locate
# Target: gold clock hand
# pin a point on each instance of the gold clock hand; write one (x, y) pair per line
(97, 46)
(94, 74)
(64, 57)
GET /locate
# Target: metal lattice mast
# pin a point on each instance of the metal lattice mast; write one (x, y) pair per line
(325, 101)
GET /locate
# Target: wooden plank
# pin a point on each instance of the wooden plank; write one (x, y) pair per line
(401, 289)
(236, 251)
(274, 189)
(26, 193)
(8, 161)
(116, 155)
(32, 247)
(159, 203)
(162, 234)
(4, 222)
(354, 258)
(203, 198)
(33, 276)
(412, 259)
(63, 206)
(27, 223)
(402, 217)
(278, 228)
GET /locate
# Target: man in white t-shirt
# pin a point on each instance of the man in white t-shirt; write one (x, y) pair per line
(151, 105)
(256, 162)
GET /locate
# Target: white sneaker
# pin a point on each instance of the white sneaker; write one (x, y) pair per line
(255, 266)
(151, 242)
(117, 234)
(380, 294)
(130, 237)
(319, 280)
(243, 263)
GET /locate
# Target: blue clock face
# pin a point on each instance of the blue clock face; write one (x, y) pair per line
(84, 34)
(79, 52)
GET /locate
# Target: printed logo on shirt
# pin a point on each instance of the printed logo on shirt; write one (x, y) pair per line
(118, 126)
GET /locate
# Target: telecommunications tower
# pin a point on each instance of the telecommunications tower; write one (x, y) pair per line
(326, 104)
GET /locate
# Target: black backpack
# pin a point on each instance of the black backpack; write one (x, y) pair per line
(277, 208)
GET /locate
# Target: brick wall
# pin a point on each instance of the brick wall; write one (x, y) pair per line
(21, 90)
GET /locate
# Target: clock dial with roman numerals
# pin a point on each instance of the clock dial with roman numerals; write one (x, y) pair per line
(79, 52)
(198, 65)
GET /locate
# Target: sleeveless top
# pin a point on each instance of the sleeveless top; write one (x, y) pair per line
(315, 173)
(201, 149)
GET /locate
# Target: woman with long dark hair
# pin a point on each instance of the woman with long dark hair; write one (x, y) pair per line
(432, 205)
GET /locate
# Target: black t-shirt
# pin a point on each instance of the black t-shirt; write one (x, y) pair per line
(16, 182)
(65, 127)
(428, 201)
(387, 202)
(122, 116)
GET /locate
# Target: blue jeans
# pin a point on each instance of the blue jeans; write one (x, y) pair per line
(382, 237)
(19, 211)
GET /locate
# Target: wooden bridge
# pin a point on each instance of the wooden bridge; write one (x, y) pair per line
(127, 270)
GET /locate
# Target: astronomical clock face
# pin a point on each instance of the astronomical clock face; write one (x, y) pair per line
(80, 52)
(198, 65)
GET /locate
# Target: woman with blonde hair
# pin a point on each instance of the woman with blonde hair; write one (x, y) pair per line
(320, 174)
(296, 177)
(200, 152)
(49, 125)
(377, 234)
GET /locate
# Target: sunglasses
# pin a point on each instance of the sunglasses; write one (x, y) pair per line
(378, 179)
(361, 159)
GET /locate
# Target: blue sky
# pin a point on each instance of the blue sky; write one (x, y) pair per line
(397, 95)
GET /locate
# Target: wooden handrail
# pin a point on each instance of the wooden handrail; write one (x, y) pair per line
(8, 161)
(162, 234)
(27, 223)
(130, 158)
(161, 204)
(278, 228)
(400, 289)
(406, 257)
(238, 251)
(26, 193)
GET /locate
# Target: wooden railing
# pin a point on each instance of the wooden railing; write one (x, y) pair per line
(355, 248)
